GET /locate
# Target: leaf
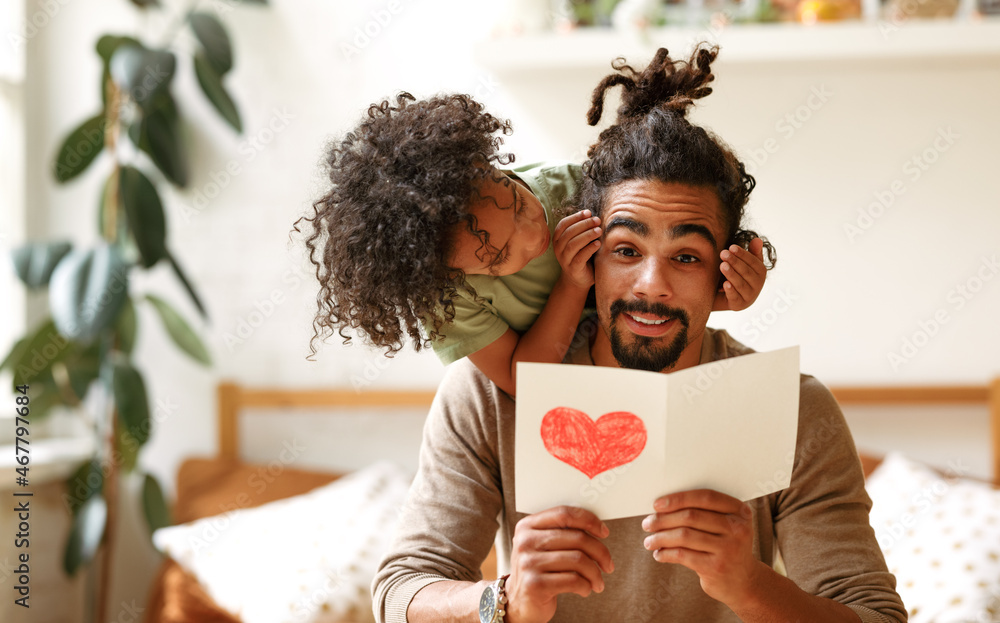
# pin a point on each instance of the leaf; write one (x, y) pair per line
(33, 357)
(214, 40)
(154, 505)
(131, 401)
(14, 354)
(83, 365)
(180, 331)
(143, 4)
(126, 327)
(44, 399)
(86, 482)
(158, 134)
(87, 290)
(145, 214)
(127, 448)
(187, 285)
(85, 534)
(35, 262)
(107, 45)
(211, 84)
(143, 73)
(80, 148)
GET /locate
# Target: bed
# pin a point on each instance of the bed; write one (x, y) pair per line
(221, 496)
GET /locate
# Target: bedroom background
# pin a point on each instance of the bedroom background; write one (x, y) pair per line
(874, 151)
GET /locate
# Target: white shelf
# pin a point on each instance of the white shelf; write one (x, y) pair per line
(51, 459)
(917, 40)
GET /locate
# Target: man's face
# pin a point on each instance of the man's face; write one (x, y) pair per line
(656, 273)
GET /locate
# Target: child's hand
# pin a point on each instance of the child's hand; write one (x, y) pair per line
(744, 272)
(577, 238)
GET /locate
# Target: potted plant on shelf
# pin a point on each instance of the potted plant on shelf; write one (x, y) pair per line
(87, 341)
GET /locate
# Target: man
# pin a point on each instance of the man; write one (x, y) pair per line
(670, 198)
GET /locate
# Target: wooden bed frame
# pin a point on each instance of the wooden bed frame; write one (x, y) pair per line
(233, 398)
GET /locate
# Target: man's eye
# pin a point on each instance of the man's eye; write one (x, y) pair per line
(686, 258)
(626, 252)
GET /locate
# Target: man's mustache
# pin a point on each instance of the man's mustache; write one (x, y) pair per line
(644, 307)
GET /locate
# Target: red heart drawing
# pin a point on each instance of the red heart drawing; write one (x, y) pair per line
(593, 447)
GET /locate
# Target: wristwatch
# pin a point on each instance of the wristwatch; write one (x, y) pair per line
(493, 603)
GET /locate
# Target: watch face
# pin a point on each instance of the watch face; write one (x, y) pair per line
(487, 606)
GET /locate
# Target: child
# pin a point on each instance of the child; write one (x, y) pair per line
(423, 235)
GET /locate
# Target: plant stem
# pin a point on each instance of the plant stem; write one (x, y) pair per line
(110, 525)
(111, 133)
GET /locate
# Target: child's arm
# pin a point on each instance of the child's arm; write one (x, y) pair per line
(744, 272)
(577, 237)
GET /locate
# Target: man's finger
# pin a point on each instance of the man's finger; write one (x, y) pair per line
(568, 517)
(705, 499)
(544, 586)
(688, 538)
(565, 540)
(563, 561)
(711, 522)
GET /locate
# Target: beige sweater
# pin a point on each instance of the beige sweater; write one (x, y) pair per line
(465, 485)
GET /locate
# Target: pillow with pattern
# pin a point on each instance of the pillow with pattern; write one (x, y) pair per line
(941, 538)
(308, 558)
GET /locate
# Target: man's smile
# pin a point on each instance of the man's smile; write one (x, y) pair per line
(648, 325)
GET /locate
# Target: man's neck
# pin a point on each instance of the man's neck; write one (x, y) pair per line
(600, 352)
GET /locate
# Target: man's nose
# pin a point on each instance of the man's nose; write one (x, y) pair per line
(653, 279)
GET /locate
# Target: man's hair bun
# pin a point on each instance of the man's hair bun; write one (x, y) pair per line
(664, 83)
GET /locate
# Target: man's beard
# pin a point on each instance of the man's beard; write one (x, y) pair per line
(643, 353)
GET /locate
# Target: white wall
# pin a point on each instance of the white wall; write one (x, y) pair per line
(854, 301)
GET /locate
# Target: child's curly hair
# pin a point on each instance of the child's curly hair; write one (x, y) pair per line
(400, 182)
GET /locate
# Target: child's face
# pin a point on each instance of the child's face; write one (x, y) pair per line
(515, 220)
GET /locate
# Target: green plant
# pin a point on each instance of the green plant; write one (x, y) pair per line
(87, 340)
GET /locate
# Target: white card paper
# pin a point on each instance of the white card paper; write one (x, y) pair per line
(612, 440)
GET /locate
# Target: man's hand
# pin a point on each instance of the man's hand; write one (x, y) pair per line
(710, 533)
(745, 273)
(555, 551)
(577, 237)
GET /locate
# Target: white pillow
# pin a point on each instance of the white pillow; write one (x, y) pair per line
(941, 539)
(311, 557)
